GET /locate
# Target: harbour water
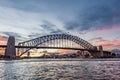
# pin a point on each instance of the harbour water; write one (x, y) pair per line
(60, 69)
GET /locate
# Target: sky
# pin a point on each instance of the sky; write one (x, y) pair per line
(96, 21)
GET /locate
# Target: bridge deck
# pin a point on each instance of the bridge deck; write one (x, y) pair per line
(3, 46)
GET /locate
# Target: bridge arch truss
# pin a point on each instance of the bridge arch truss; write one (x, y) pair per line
(54, 38)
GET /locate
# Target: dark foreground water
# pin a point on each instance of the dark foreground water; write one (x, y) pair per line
(60, 69)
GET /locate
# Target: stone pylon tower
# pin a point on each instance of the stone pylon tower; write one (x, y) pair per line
(101, 51)
(10, 50)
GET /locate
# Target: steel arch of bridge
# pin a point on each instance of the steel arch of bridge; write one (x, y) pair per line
(40, 40)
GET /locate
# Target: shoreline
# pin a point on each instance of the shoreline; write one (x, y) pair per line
(66, 59)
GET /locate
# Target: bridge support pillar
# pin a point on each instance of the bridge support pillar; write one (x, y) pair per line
(101, 51)
(10, 51)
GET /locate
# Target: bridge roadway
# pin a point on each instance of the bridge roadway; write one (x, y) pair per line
(3, 46)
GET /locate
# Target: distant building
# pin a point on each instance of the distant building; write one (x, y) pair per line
(116, 52)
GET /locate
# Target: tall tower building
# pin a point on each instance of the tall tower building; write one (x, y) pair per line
(10, 50)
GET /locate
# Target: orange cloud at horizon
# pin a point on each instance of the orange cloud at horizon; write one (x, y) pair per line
(64, 51)
(3, 40)
(2, 51)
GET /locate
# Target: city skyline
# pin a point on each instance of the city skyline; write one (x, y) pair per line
(98, 22)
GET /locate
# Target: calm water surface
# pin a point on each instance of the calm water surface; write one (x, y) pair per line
(60, 69)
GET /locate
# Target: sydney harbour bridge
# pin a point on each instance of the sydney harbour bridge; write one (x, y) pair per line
(53, 41)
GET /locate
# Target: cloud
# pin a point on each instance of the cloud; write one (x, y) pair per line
(26, 25)
(57, 31)
(65, 51)
(34, 18)
(3, 39)
(11, 34)
(106, 43)
(17, 36)
(98, 39)
(114, 42)
(50, 27)
(96, 17)
(47, 26)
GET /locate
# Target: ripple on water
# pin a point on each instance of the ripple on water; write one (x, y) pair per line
(60, 70)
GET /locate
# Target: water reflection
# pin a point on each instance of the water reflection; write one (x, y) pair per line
(36, 69)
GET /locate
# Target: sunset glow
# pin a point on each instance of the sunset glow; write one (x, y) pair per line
(98, 23)
(59, 39)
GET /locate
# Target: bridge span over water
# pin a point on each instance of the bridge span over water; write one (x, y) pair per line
(54, 41)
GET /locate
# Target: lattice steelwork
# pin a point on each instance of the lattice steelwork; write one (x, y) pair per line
(55, 40)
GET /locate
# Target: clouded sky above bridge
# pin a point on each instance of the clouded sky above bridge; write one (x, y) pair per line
(97, 21)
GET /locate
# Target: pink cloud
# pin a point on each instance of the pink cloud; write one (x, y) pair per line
(115, 42)
(98, 39)
(3, 40)
(107, 29)
(106, 43)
